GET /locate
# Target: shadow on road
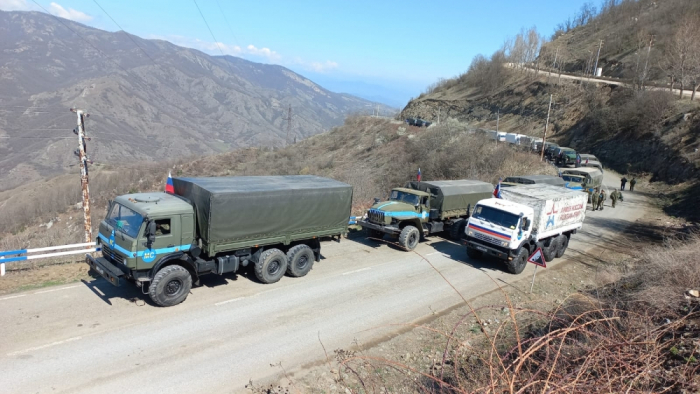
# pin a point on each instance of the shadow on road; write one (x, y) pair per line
(106, 291)
(458, 253)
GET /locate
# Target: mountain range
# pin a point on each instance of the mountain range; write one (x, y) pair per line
(147, 99)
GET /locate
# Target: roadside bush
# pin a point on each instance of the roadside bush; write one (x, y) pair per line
(629, 112)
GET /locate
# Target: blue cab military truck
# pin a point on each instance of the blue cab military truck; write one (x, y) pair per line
(164, 242)
(424, 208)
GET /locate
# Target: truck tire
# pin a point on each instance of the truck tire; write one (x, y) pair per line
(457, 229)
(271, 266)
(473, 253)
(371, 233)
(170, 286)
(562, 245)
(300, 259)
(409, 237)
(517, 265)
(549, 249)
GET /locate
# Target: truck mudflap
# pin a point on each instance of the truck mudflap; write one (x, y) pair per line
(379, 227)
(106, 269)
(489, 250)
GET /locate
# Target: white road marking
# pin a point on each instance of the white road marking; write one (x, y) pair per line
(360, 270)
(232, 300)
(52, 290)
(31, 349)
(11, 297)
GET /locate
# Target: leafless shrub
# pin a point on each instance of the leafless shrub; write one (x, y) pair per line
(591, 344)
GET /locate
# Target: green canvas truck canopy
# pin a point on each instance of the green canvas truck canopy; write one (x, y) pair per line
(454, 195)
(533, 179)
(233, 209)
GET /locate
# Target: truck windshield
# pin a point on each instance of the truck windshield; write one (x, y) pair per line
(125, 220)
(496, 216)
(572, 178)
(408, 198)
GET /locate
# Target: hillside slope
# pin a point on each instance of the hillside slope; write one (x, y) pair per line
(371, 154)
(634, 131)
(172, 103)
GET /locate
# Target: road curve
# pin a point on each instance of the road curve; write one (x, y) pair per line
(92, 337)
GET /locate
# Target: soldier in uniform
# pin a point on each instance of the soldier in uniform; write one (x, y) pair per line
(601, 200)
(613, 197)
(623, 182)
(632, 183)
(594, 198)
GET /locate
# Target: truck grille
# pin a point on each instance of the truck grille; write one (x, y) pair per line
(375, 216)
(483, 237)
(111, 255)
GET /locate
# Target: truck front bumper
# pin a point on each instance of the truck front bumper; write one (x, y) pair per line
(379, 227)
(490, 250)
(105, 268)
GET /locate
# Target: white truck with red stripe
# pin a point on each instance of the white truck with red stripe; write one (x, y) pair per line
(526, 217)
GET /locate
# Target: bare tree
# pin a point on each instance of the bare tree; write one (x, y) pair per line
(682, 53)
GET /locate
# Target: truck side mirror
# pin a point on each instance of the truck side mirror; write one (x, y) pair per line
(525, 224)
(150, 233)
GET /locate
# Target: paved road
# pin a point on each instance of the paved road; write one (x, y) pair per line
(588, 78)
(91, 337)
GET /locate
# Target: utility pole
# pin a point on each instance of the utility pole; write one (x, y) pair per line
(595, 69)
(646, 62)
(554, 64)
(544, 139)
(82, 154)
(289, 124)
(498, 119)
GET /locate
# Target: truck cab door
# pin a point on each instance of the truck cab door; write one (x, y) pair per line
(167, 240)
(425, 208)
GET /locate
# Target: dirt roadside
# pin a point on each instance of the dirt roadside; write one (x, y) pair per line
(420, 345)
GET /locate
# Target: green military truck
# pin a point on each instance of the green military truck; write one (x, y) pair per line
(166, 241)
(423, 208)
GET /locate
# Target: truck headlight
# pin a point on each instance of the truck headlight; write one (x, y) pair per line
(470, 233)
(504, 243)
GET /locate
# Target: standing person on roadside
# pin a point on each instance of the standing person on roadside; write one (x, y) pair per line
(623, 182)
(595, 199)
(632, 183)
(614, 197)
(601, 199)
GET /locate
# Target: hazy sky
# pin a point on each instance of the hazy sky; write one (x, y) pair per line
(398, 46)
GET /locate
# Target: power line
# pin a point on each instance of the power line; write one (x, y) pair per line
(83, 38)
(127, 34)
(35, 138)
(227, 24)
(212, 36)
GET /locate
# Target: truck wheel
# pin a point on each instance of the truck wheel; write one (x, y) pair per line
(300, 259)
(271, 266)
(409, 237)
(170, 286)
(457, 229)
(562, 245)
(371, 233)
(549, 249)
(517, 265)
(473, 253)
